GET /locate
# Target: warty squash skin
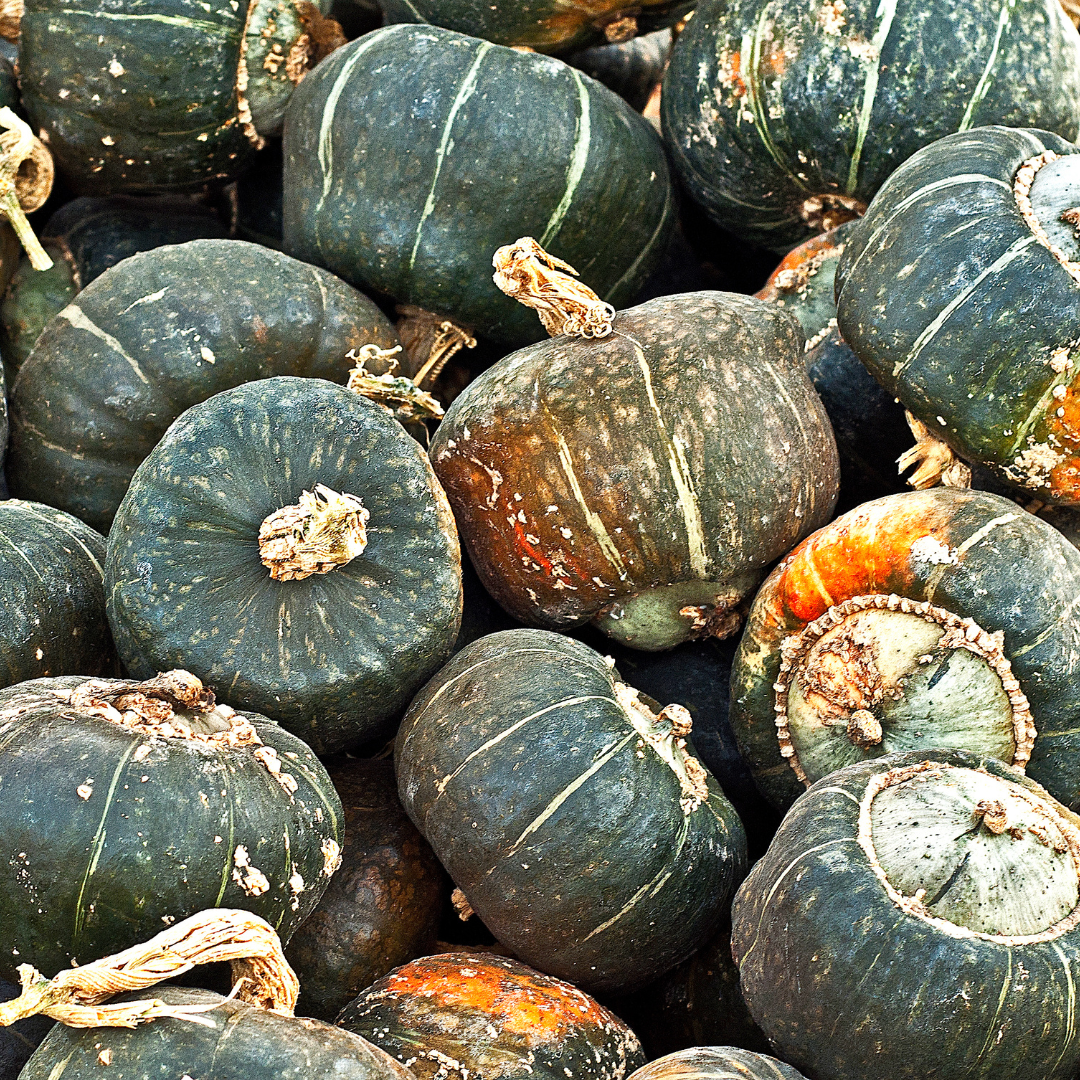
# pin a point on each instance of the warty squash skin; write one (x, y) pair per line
(784, 119)
(958, 292)
(390, 180)
(576, 821)
(716, 1063)
(116, 823)
(336, 656)
(461, 1015)
(644, 480)
(866, 623)
(156, 334)
(916, 917)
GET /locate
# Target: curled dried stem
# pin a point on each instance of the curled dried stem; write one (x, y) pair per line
(26, 179)
(528, 274)
(430, 341)
(11, 13)
(937, 464)
(77, 996)
(395, 393)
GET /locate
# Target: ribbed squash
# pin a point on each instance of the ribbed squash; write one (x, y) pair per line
(717, 1063)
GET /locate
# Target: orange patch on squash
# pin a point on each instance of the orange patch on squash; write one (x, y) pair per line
(794, 260)
(1064, 436)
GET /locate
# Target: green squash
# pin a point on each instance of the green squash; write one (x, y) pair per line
(958, 292)
(156, 334)
(784, 119)
(916, 916)
(334, 655)
(128, 806)
(644, 480)
(633, 69)
(461, 1015)
(52, 595)
(390, 180)
(716, 1063)
(571, 811)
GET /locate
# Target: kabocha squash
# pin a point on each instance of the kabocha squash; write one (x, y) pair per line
(643, 480)
(52, 595)
(717, 1063)
(916, 916)
(167, 95)
(586, 175)
(129, 805)
(958, 292)
(785, 119)
(932, 618)
(156, 334)
(289, 540)
(383, 905)
(633, 69)
(460, 1015)
(568, 809)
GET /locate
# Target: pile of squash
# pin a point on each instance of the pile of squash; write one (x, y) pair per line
(539, 540)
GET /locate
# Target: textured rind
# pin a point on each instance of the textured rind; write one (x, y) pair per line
(52, 595)
(716, 1063)
(846, 985)
(949, 300)
(81, 877)
(235, 1041)
(754, 84)
(490, 1016)
(727, 377)
(1017, 574)
(615, 884)
(137, 99)
(632, 69)
(335, 657)
(389, 179)
(192, 320)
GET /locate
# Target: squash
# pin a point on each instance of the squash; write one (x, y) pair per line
(932, 618)
(128, 806)
(915, 916)
(461, 1015)
(958, 292)
(716, 1063)
(147, 97)
(641, 481)
(52, 595)
(569, 810)
(381, 908)
(632, 69)
(159, 332)
(784, 120)
(389, 180)
(289, 540)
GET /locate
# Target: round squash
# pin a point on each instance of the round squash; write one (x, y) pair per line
(569, 810)
(784, 119)
(156, 334)
(916, 916)
(461, 1015)
(958, 291)
(927, 619)
(218, 556)
(716, 1063)
(641, 481)
(633, 69)
(390, 181)
(128, 806)
(52, 595)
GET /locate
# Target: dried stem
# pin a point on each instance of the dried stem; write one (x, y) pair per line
(23, 192)
(395, 393)
(430, 341)
(937, 464)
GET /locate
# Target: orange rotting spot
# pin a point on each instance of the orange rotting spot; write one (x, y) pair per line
(731, 75)
(794, 260)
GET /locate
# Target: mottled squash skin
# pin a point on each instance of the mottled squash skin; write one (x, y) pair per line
(463, 1015)
(236, 1042)
(784, 118)
(717, 1063)
(644, 479)
(390, 180)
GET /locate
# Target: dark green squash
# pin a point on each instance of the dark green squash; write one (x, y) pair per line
(641, 481)
(52, 595)
(381, 908)
(461, 1015)
(717, 1063)
(958, 292)
(916, 916)
(882, 632)
(784, 120)
(334, 656)
(576, 821)
(153, 336)
(129, 806)
(390, 180)
(633, 69)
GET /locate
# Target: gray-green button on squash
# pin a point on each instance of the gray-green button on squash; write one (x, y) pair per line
(716, 1063)
(334, 656)
(783, 117)
(413, 153)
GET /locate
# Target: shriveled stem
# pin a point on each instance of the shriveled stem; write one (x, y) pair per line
(400, 395)
(937, 464)
(19, 194)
